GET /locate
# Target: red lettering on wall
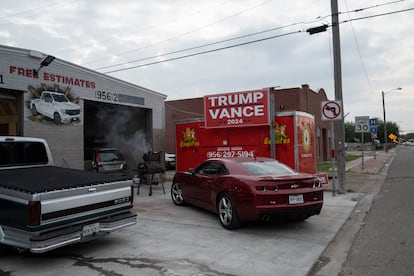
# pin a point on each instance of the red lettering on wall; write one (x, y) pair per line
(30, 73)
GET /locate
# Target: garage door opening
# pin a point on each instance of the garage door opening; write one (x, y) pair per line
(115, 126)
(10, 108)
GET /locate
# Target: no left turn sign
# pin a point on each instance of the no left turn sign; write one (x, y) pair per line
(331, 110)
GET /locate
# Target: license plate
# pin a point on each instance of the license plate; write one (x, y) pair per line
(90, 229)
(296, 199)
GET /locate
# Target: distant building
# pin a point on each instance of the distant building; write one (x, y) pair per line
(288, 99)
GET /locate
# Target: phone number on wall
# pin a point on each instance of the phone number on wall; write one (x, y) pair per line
(229, 154)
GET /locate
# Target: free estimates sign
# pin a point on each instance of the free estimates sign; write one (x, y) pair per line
(246, 108)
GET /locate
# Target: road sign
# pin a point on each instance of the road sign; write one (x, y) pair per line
(373, 129)
(373, 122)
(362, 124)
(331, 110)
(393, 137)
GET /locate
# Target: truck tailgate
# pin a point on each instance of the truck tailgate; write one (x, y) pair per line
(48, 178)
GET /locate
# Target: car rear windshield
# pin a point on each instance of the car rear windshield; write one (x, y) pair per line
(22, 153)
(109, 156)
(266, 168)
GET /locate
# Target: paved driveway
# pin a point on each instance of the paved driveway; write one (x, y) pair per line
(171, 240)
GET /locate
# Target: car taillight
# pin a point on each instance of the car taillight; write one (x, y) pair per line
(317, 184)
(260, 187)
(272, 187)
(98, 163)
(34, 213)
(264, 188)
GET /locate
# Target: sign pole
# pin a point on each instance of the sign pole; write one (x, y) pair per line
(331, 111)
(333, 158)
(363, 146)
(272, 124)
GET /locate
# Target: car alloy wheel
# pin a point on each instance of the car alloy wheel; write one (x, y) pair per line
(227, 212)
(176, 194)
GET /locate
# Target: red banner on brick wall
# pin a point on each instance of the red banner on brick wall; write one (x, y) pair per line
(246, 108)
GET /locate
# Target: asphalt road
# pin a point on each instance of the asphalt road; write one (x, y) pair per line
(385, 243)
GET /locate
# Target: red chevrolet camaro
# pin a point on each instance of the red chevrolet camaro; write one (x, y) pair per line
(248, 189)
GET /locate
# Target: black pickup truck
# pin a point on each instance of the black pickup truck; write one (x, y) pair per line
(44, 207)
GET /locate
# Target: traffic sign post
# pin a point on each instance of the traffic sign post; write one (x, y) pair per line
(362, 125)
(373, 129)
(331, 111)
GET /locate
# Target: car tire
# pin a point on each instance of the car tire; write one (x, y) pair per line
(34, 110)
(56, 118)
(227, 212)
(177, 194)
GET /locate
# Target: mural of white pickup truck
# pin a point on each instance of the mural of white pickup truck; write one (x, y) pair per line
(55, 106)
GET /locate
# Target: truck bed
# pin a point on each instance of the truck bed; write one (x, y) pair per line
(48, 178)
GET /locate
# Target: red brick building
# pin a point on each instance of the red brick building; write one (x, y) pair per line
(288, 99)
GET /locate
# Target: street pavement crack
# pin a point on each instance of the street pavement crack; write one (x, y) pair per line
(177, 267)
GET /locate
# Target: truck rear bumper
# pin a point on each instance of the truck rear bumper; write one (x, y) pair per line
(85, 232)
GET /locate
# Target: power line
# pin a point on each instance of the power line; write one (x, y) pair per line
(186, 33)
(377, 15)
(359, 53)
(182, 111)
(371, 7)
(320, 18)
(37, 10)
(250, 42)
(204, 52)
(205, 45)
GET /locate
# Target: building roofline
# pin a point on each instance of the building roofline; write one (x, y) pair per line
(40, 55)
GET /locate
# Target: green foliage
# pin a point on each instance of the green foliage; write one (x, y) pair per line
(327, 166)
(351, 136)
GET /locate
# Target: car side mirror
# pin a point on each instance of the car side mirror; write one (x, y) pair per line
(192, 171)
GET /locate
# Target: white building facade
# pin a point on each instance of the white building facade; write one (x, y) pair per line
(101, 111)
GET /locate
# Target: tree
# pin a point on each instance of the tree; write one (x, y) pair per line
(391, 128)
(351, 136)
(350, 132)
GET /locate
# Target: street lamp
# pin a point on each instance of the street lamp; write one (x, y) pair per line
(48, 60)
(385, 121)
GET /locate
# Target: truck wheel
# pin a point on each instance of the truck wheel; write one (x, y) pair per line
(34, 110)
(56, 118)
(227, 212)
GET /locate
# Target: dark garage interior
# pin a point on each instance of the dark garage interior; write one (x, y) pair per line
(116, 126)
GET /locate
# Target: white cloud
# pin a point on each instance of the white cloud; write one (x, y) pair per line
(102, 33)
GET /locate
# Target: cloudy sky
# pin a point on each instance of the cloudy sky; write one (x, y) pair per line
(146, 43)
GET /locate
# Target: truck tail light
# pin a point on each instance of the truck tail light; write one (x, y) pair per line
(34, 213)
(132, 194)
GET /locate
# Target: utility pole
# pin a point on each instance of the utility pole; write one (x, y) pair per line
(340, 125)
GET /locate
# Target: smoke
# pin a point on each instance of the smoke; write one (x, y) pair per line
(125, 130)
